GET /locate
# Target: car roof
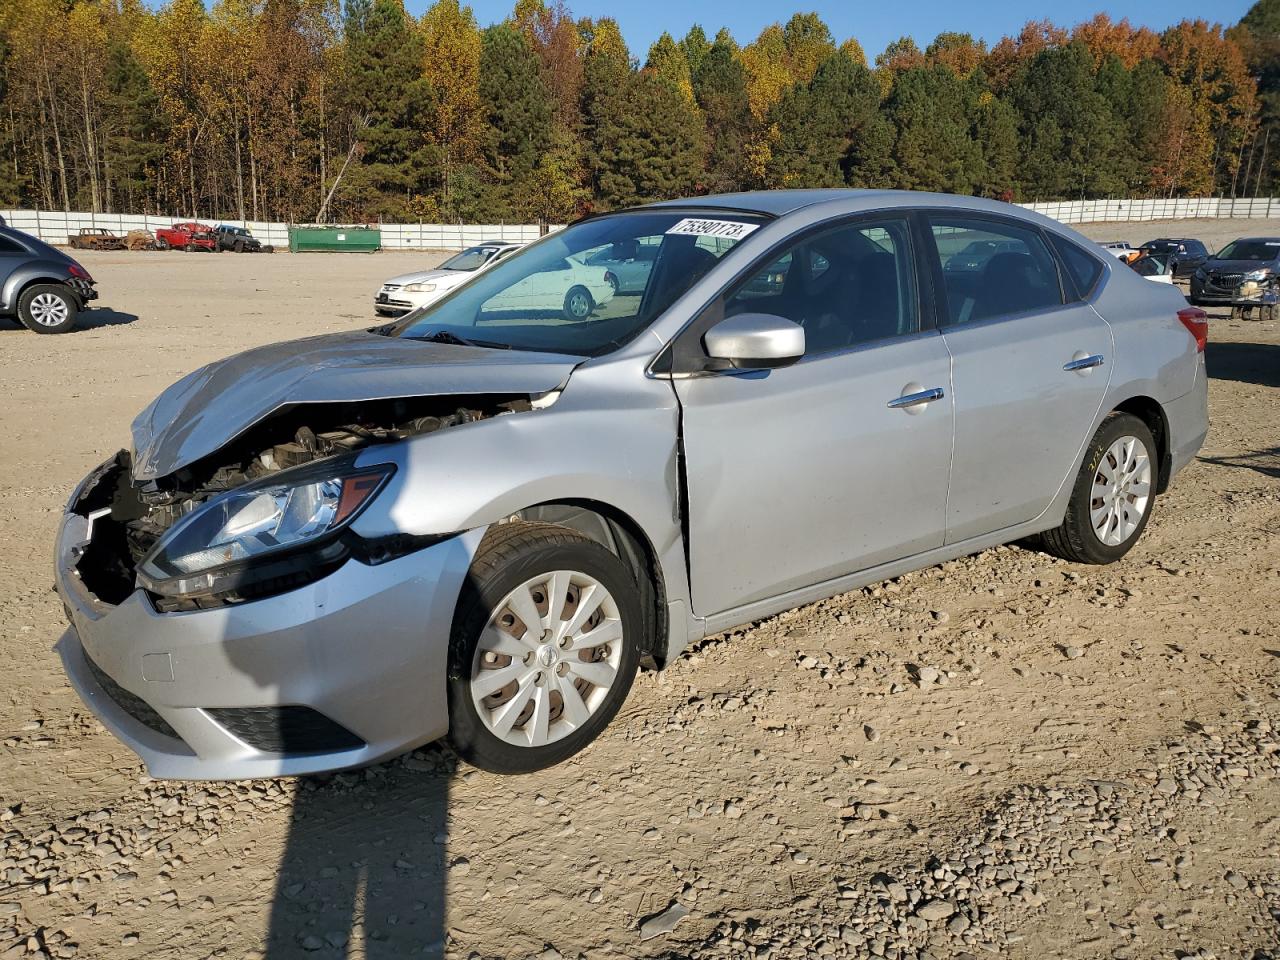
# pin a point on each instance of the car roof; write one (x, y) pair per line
(780, 203)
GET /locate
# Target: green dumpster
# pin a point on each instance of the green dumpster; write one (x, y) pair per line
(334, 239)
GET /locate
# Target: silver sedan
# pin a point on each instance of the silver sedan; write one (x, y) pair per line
(480, 522)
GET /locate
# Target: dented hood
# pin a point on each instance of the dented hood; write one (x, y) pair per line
(207, 409)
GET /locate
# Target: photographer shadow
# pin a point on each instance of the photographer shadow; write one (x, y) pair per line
(364, 867)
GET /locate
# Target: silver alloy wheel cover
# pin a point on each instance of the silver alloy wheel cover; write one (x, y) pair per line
(579, 305)
(48, 309)
(547, 658)
(1121, 491)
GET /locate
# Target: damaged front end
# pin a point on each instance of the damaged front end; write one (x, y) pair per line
(269, 512)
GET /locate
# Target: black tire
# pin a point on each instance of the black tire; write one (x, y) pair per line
(239, 246)
(162, 245)
(575, 300)
(190, 248)
(35, 303)
(1076, 540)
(511, 554)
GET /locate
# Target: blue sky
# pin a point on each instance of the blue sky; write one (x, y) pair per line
(874, 24)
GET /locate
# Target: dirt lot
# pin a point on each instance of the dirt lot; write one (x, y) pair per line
(1004, 755)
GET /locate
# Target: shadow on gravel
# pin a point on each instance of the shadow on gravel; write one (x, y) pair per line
(1265, 462)
(1244, 362)
(94, 319)
(363, 872)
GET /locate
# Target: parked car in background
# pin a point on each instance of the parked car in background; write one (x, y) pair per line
(1154, 266)
(974, 256)
(1242, 275)
(40, 286)
(1186, 253)
(239, 240)
(479, 524)
(412, 290)
(566, 287)
(95, 238)
(188, 236)
(1121, 250)
(628, 262)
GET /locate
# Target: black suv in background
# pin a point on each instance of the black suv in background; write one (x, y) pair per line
(1185, 254)
(42, 288)
(1243, 274)
(239, 239)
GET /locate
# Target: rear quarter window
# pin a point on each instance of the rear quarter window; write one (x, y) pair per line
(1083, 268)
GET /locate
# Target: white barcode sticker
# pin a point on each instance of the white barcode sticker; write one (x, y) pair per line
(728, 229)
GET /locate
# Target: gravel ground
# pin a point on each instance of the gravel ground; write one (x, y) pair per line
(1003, 755)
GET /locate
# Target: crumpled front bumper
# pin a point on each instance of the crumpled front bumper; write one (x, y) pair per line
(365, 647)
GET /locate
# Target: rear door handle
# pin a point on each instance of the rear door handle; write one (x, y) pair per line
(916, 399)
(1084, 363)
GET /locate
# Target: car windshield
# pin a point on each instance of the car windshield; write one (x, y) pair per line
(1250, 250)
(471, 259)
(551, 296)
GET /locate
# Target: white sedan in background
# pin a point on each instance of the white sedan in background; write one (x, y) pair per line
(567, 287)
(412, 290)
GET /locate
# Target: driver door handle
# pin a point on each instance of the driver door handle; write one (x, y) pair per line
(915, 399)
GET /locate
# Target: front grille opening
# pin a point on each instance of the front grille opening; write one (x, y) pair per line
(288, 729)
(131, 703)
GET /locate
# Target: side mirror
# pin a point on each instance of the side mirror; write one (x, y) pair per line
(753, 341)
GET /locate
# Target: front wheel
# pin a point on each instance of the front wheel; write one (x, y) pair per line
(544, 649)
(578, 304)
(48, 308)
(1113, 495)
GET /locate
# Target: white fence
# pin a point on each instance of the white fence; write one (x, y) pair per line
(1186, 208)
(54, 226)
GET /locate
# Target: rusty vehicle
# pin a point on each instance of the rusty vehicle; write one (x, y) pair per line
(142, 240)
(95, 238)
(189, 235)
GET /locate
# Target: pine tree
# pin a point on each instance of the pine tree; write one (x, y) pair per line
(1069, 135)
(817, 125)
(390, 101)
(652, 147)
(933, 148)
(720, 86)
(135, 134)
(518, 111)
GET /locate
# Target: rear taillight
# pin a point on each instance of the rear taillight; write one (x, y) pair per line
(78, 271)
(1197, 323)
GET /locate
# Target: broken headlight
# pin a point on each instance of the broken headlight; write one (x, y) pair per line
(264, 530)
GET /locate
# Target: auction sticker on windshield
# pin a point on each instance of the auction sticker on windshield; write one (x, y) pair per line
(729, 229)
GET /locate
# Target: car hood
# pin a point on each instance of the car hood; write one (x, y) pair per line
(436, 275)
(209, 408)
(1238, 266)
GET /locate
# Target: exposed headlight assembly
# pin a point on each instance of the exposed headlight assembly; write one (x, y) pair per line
(1258, 274)
(284, 526)
(420, 288)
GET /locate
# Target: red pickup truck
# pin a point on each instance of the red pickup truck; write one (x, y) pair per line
(188, 236)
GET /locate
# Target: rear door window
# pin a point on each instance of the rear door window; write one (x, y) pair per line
(993, 269)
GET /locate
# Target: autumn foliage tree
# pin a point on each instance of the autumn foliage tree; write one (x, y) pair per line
(354, 109)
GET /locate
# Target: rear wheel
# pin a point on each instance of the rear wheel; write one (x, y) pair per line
(578, 304)
(1113, 495)
(544, 650)
(48, 308)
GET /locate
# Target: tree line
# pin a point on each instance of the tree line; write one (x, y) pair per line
(304, 110)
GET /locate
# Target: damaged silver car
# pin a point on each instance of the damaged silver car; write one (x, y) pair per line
(479, 522)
